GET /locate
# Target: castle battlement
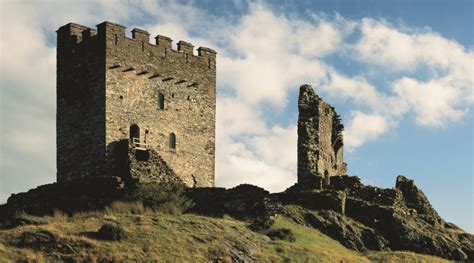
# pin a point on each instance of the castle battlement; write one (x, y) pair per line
(73, 37)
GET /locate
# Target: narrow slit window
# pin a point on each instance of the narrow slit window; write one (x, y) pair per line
(161, 101)
(115, 39)
(186, 59)
(143, 46)
(172, 142)
(209, 63)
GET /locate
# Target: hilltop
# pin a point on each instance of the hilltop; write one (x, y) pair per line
(345, 220)
(164, 237)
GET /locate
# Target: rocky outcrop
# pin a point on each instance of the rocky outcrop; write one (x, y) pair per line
(360, 217)
(66, 197)
(243, 201)
(402, 218)
(415, 199)
(316, 199)
(347, 231)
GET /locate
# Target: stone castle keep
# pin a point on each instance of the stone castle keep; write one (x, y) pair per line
(132, 109)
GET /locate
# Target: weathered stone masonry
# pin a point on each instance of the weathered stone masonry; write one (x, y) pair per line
(320, 139)
(111, 88)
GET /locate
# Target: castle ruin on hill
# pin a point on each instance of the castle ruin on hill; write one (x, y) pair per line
(139, 111)
(127, 108)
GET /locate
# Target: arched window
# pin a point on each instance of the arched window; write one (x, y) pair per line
(161, 101)
(172, 142)
(134, 131)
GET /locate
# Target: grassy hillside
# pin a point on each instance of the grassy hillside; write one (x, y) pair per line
(168, 238)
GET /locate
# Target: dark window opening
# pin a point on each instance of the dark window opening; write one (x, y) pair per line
(165, 53)
(172, 142)
(209, 63)
(189, 97)
(121, 97)
(143, 46)
(142, 156)
(134, 131)
(146, 134)
(186, 59)
(115, 39)
(326, 177)
(172, 95)
(161, 101)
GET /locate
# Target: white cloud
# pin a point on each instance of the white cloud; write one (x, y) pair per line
(449, 90)
(364, 127)
(236, 118)
(436, 102)
(277, 147)
(395, 49)
(267, 159)
(270, 63)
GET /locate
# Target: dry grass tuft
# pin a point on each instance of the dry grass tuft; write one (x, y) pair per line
(59, 216)
(119, 207)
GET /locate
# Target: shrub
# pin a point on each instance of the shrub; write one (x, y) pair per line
(111, 232)
(261, 224)
(165, 197)
(281, 234)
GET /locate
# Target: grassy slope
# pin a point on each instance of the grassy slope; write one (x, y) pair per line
(188, 238)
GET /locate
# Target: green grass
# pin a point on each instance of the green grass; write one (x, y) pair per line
(311, 246)
(401, 257)
(185, 238)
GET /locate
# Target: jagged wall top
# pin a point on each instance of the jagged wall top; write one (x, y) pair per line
(72, 36)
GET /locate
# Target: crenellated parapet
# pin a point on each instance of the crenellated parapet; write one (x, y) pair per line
(72, 38)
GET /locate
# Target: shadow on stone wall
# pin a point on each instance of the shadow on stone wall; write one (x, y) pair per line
(135, 165)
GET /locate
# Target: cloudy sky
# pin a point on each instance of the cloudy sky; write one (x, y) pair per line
(399, 72)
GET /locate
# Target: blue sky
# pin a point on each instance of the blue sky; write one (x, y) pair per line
(399, 72)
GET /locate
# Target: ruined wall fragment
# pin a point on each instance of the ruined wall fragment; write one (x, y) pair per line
(320, 139)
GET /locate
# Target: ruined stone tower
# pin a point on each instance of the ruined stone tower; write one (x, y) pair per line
(320, 141)
(124, 101)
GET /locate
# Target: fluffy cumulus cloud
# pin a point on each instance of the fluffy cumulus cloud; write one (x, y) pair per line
(364, 127)
(269, 63)
(448, 91)
(263, 57)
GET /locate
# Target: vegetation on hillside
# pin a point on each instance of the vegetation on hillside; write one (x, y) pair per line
(151, 235)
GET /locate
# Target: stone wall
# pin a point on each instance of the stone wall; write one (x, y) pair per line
(320, 141)
(169, 94)
(80, 118)
(415, 199)
(138, 74)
